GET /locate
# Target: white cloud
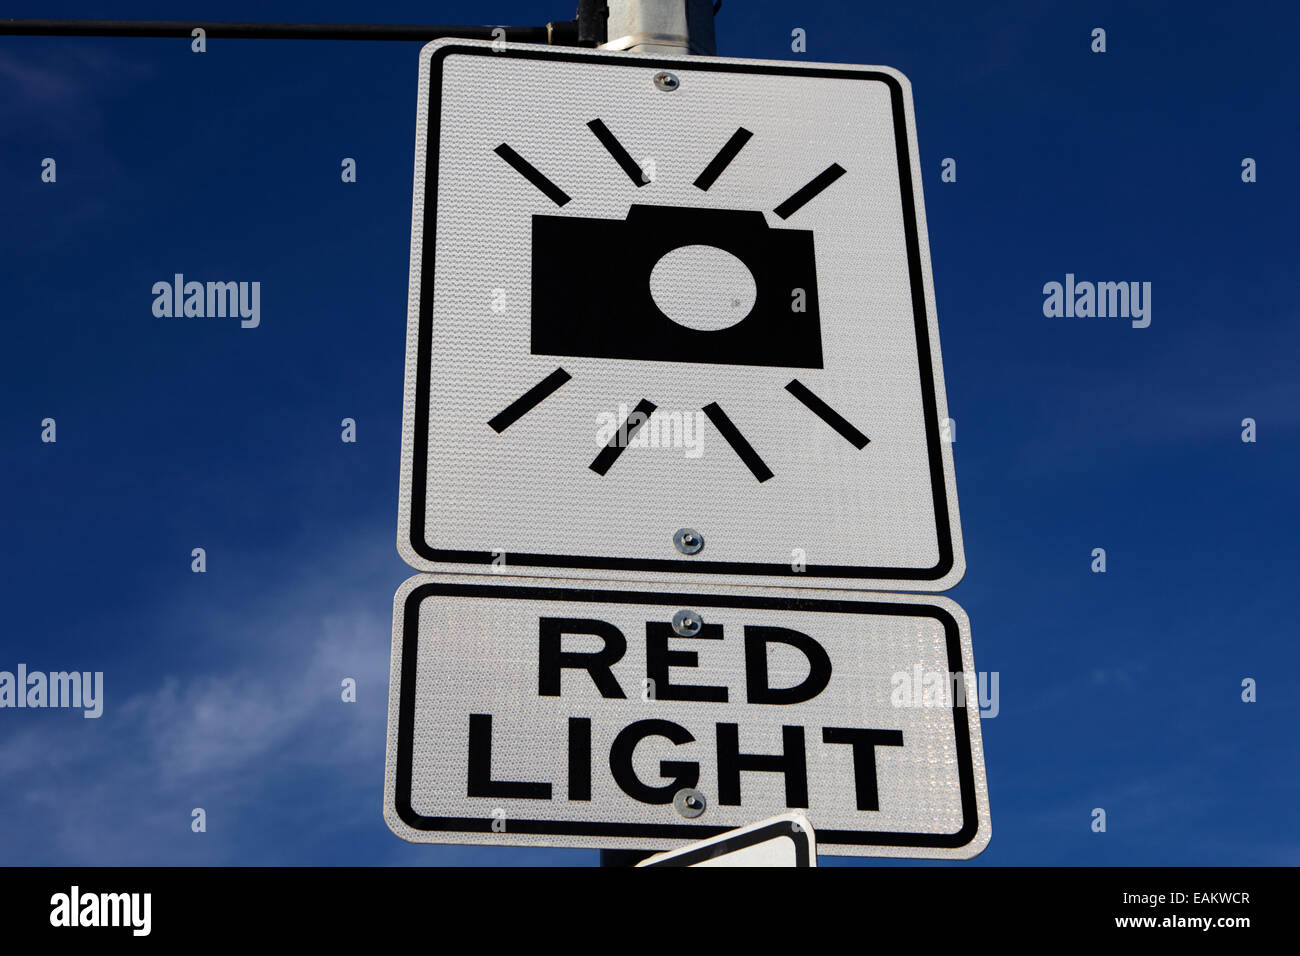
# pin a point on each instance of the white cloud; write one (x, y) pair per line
(268, 727)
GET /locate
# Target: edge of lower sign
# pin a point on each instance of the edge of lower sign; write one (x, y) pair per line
(791, 826)
(421, 554)
(967, 842)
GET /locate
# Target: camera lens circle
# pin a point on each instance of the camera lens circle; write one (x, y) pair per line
(703, 287)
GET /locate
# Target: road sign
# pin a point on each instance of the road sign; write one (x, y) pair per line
(575, 714)
(651, 295)
(786, 840)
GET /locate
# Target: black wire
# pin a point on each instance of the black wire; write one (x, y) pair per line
(263, 31)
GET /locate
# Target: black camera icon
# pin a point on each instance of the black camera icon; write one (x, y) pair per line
(592, 297)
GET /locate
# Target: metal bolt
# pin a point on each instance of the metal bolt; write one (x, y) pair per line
(667, 81)
(688, 541)
(689, 802)
(687, 623)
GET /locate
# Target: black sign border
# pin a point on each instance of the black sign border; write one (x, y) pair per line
(420, 456)
(404, 759)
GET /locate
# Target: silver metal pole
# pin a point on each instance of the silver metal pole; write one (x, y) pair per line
(661, 26)
(657, 26)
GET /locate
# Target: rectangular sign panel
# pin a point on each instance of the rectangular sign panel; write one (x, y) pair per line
(547, 714)
(656, 294)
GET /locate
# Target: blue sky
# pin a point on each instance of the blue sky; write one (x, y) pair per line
(1118, 690)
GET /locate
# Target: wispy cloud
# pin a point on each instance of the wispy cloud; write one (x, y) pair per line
(268, 728)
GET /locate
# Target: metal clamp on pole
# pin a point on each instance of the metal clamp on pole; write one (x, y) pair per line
(662, 26)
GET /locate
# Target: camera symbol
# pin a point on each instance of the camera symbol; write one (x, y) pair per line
(632, 300)
(612, 312)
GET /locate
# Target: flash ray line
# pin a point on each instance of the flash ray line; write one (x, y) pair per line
(532, 174)
(721, 161)
(737, 441)
(827, 414)
(609, 454)
(805, 193)
(621, 155)
(526, 402)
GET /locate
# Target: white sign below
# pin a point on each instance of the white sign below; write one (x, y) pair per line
(581, 714)
(786, 840)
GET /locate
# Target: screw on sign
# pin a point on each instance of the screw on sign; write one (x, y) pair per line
(687, 623)
(666, 81)
(688, 541)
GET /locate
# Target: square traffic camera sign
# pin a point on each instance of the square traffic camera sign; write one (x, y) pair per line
(672, 317)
